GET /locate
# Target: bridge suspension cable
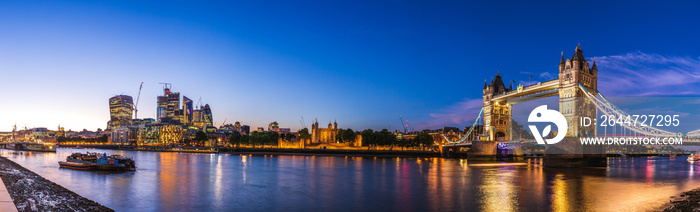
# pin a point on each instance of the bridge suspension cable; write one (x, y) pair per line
(694, 134)
(469, 132)
(610, 109)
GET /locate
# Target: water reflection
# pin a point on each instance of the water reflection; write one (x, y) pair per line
(179, 181)
(559, 198)
(496, 190)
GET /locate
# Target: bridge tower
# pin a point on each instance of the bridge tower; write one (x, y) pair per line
(573, 104)
(497, 114)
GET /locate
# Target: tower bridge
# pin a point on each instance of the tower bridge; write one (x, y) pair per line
(498, 100)
(576, 87)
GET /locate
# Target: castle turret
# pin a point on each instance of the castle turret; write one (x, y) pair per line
(579, 62)
(510, 87)
(562, 62)
(577, 58)
(498, 86)
(594, 69)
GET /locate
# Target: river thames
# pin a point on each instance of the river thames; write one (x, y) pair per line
(166, 181)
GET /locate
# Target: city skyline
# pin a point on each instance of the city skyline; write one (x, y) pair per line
(62, 62)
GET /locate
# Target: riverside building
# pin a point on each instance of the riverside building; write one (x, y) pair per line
(173, 125)
(324, 135)
(121, 108)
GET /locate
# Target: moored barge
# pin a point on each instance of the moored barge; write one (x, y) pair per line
(100, 161)
(76, 165)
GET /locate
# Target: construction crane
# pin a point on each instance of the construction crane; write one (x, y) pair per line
(136, 107)
(303, 123)
(222, 124)
(166, 85)
(410, 129)
(405, 127)
(199, 103)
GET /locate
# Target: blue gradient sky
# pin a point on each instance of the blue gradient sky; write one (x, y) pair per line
(361, 62)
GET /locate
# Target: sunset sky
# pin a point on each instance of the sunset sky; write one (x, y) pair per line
(362, 63)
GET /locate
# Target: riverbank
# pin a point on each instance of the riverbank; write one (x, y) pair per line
(331, 152)
(688, 201)
(31, 192)
(281, 151)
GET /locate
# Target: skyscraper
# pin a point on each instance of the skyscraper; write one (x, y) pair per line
(245, 129)
(237, 126)
(169, 107)
(162, 104)
(121, 108)
(273, 126)
(197, 118)
(172, 111)
(207, 117)
(187, 108)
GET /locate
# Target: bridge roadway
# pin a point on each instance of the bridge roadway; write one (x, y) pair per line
(458, 147)
(568, 153)
(686, 142)
(535, 91)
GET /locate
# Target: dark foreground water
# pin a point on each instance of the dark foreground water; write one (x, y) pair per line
(218, 182)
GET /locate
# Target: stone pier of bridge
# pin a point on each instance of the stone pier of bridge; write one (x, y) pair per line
(567, 153)
(478, 150)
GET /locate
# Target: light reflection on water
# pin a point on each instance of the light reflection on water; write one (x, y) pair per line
(195, 182)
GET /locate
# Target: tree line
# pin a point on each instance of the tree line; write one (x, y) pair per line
(384, 138)
(101, 139)
(343, 136)
(370, 138)
(258, 138)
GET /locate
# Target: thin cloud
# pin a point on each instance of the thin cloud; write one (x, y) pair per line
(547, 76)
(640, 74)
(458, 115)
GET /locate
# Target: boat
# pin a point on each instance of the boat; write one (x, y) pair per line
(104, 161)
(693, 158)
(115, 162)
(38, 147)
(82, 158)
(27, 146)
(76, 165)
(10, 146)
